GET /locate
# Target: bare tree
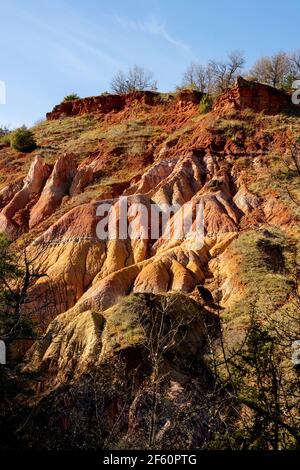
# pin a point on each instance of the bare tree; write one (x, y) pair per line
(164, 329)
(275, 70)
(216, 76)
(163, 332)
(295, 63)
(136, 79)
(225, 73)
(22, 307)
(198, 77)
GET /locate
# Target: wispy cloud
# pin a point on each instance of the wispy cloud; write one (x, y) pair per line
(155, 27)
(68, 50)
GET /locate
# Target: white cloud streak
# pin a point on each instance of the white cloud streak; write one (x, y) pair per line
(155, 27)
(56, 34)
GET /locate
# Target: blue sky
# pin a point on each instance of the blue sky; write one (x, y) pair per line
(52, 48)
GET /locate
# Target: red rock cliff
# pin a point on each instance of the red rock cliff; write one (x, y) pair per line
(106, 103)
(256, 96)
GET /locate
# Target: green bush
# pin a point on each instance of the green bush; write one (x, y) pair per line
(205, 104)
(71, 97)
(23, 140)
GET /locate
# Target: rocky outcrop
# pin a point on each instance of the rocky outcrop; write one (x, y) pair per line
(256, 96)
(57, 186)
(7, 193)
(140, 262)
(190, 96)
(94, 104)
(112, 103)
(32, 187)
(245, 200)
(151, 179)
(182, 183)
(82, 178)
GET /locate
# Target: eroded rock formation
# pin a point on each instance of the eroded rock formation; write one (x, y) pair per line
(24, 198)
(57, 186)
(152, 152)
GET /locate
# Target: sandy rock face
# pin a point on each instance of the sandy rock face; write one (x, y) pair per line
(185, 179)
(82, 178)
(245, 200)
(7, 193)
(277, 213)
(32, 187)
(155, 175)
(139, 263)
(55, 189)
